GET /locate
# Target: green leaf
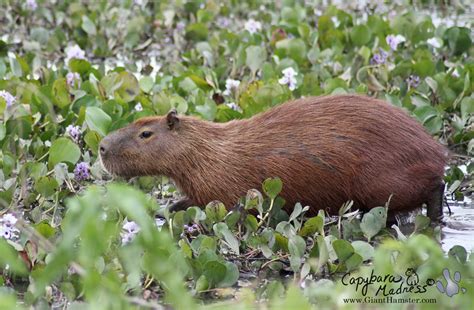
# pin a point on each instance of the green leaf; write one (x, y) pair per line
(196, 32)
(459, 39)
(61, 93)
(424, 67)
(297, 210)
(292, 48)
(202, 284)
(360, 35)
(215, 272)
(364, 249)
(15, 67)
(251, 223)
(11, 258)
(296, 246)
(37, 170)
(92, 140)
(129, 87)
(255, 57)
(3, 49)
(253, 200)
(208, 110)
(45, 229)
(63, 150)
(88, 26)
(221, 230)
(215, 212)
(60, 173)
(353, 262)
(346, 254)
(434, 124)
(3, 130)
(200, 82)
(46, 186)
(231, 275)
(312, 226)
(459, 253)
(467, 107)
(421, 222)
(146, 84)
(343, 249)
(373, 221)
(80, 66)
(98, 120)
(272, 187)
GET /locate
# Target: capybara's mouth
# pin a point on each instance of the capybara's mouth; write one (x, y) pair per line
(115, 168)
(109, 167)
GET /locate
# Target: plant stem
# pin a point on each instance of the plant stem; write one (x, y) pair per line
(267, 214)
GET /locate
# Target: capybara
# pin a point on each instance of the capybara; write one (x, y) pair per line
(326, 150)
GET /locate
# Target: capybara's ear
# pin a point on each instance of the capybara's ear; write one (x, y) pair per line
(172, 119)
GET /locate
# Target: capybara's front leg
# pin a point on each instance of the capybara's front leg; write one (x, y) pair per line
(182, 204)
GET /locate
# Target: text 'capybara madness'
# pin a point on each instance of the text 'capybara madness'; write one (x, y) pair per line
(326, 150)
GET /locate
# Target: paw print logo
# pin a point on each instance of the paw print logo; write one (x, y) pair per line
(412, 277)
(452, 285)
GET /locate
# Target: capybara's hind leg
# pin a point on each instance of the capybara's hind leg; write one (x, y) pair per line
(434, 208)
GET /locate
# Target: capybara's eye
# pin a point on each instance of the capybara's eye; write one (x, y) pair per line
(145, 134)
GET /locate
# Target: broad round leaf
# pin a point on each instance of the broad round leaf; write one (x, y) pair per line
(98, 120)
(272, 187)
(63, 150)
(360, 35)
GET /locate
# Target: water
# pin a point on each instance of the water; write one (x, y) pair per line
(459, 228)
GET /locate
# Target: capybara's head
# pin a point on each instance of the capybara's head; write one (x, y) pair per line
(148, 146)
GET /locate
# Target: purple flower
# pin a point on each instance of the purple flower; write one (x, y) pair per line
(159, 222)
(413, 81)
(7, 226)
(81, 172)
(435, 42)
(9, 219)
(234, 106)
(253, 26)
(129, 230)
(393, 41)
(289, 78)
(379, 58)
(9, 98)
(223, 22)
(191, 228)
(231, 86)
(138, 107)
(31, 5)
(131, 227)
(72, 77)
(180, 26)
(74, 132)
(74, 52)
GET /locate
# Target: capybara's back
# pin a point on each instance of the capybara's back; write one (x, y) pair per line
(326, 150)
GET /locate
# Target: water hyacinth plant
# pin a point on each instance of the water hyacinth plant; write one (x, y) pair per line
(7, 226)
(71, 72)
(9, 98)
(289, 78)
(81, 172)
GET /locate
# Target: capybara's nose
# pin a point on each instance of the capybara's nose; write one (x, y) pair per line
(104, 147)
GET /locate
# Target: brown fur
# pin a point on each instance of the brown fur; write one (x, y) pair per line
(326, 150)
